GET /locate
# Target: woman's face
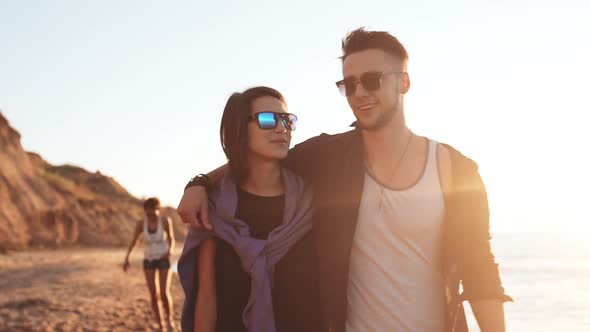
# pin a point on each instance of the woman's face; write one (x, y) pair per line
(268, 144)
(151, 211)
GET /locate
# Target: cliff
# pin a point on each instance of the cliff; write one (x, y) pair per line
(43, 205)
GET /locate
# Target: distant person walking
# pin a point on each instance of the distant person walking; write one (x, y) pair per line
(159, 243)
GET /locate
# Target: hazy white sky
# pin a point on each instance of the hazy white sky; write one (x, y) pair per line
(135, 89)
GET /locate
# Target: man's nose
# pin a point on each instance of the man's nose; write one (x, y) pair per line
(360, 90)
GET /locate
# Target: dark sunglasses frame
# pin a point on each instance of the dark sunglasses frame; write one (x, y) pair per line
(371, 81)
(287, 119)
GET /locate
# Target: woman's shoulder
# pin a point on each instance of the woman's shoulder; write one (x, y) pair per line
(291, 176)
(166, 220)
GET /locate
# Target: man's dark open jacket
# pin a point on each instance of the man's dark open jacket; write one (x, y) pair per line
(334, 165)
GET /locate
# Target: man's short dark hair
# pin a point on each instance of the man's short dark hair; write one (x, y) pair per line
(233, 131)
(151, 203)
(361, 40)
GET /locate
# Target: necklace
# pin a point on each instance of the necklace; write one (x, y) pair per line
(395, 168)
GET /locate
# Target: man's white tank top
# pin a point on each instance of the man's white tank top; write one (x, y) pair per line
(155, 244)
(395, 278)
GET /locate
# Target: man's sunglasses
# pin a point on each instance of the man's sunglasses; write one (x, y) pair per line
(270, 120)
(371, 81)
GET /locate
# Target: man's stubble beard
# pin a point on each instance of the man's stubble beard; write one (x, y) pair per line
(383, 120)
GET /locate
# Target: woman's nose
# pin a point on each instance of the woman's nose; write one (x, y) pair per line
(280, 128)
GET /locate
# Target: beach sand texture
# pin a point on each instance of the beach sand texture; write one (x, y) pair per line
(77, 290)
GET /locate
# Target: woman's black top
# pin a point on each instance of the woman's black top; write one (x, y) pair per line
(295, 292)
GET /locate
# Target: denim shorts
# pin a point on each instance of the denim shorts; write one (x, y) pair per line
(159, 264)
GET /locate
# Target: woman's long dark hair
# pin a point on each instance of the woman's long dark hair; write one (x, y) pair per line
(233, 131)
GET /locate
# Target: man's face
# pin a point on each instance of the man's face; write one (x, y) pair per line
(374, 109)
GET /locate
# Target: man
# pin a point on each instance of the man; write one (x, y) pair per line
(400, 221)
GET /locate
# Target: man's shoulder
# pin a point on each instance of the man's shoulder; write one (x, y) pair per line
(457, 158)
(325, 139)
(463, 170)
(318, 154)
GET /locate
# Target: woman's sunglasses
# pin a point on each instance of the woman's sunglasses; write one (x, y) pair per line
(270, 120)
(371, 81)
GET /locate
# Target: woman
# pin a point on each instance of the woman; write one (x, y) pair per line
(159, 243)
(256, 270)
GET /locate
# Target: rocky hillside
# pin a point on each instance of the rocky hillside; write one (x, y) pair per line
(42, 205)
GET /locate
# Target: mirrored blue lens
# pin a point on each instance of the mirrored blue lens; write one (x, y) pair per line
(266, 120)
(291, 120)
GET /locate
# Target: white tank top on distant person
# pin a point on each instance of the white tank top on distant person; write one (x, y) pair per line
(155, 244)
(395, 278)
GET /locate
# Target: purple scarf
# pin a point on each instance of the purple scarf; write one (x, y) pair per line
(258, 257)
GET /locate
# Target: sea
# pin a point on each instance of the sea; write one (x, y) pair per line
(548, 275)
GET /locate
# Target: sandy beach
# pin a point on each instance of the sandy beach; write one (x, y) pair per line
(77, 290)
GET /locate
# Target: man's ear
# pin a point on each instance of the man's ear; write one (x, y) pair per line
(405, 83)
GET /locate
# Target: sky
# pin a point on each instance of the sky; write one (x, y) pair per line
(135, 89)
